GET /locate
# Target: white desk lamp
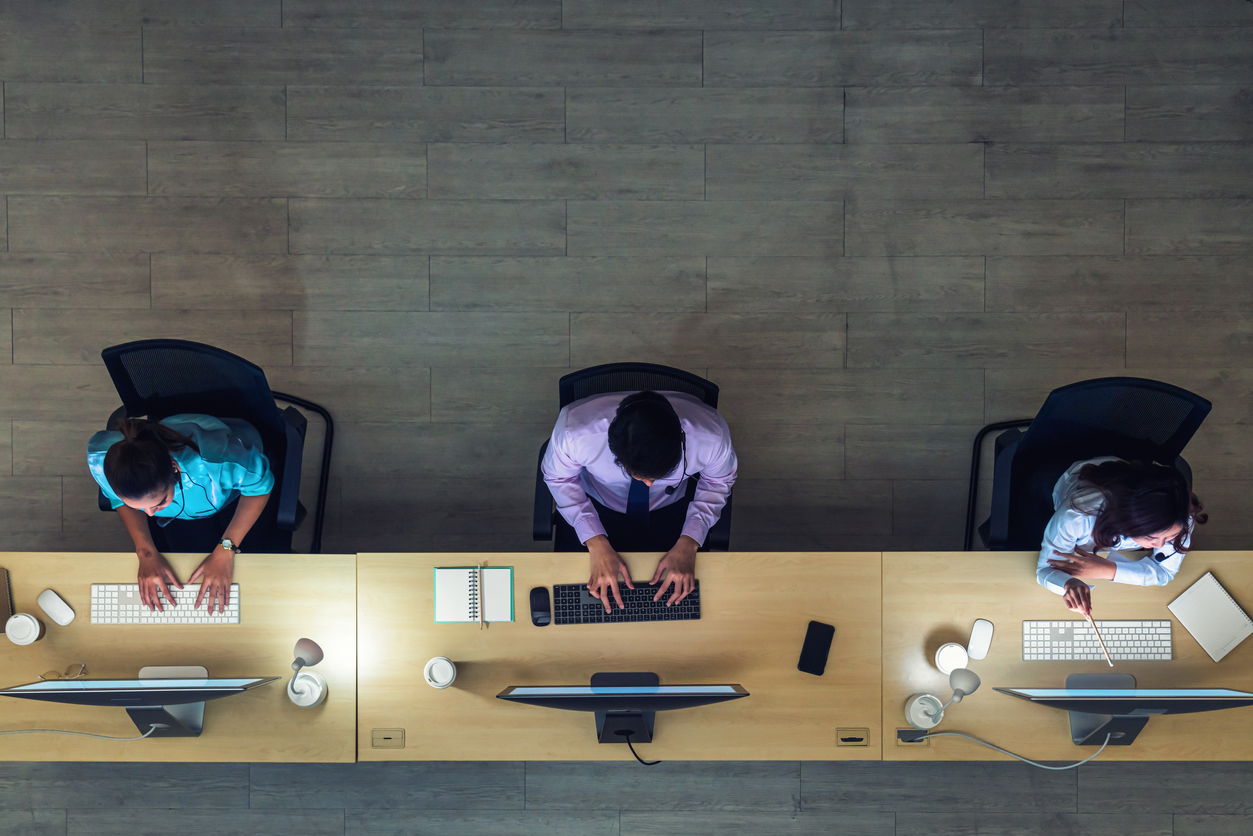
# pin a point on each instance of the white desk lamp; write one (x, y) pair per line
(924, 711)
(306, 688)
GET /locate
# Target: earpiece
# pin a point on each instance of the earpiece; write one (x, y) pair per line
(670, 490)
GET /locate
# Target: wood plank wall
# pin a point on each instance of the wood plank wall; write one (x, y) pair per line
(876, 224)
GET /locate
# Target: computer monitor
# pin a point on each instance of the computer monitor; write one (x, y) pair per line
(1122, 712)
(625, 704)
(174, 706)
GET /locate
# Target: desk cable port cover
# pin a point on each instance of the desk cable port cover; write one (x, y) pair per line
(917, 736)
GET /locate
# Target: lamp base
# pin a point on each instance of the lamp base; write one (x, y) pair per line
(924, 711)
(307, 689)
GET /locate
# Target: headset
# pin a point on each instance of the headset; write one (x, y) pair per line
(182, 503)
(682, 440)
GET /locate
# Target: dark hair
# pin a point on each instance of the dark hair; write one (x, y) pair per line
(140, 465)
(1140, 500)
(645, 436)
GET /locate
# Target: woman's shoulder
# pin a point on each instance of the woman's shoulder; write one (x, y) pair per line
(100, 443)
(194, 422)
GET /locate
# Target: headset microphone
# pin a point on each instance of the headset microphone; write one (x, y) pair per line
(670, 490)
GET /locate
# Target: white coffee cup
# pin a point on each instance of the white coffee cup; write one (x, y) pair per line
(24, 628)
(440, 672)
(950, 657)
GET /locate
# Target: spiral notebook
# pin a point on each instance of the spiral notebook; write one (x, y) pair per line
(1213, 618)
(458, 596)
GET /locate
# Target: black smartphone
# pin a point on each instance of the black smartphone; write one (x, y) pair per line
(816, 648)
(541, 610)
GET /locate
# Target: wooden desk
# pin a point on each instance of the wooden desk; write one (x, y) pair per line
(933, 598)
(755, 610)
(283, 598)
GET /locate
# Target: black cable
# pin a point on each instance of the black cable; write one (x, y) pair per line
(637, 755)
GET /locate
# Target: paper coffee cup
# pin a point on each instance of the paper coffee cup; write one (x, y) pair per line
(24, 628)
(440, 672)
(950, 657)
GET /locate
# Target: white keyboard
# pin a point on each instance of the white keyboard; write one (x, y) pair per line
(119, 603)
(1074, 641)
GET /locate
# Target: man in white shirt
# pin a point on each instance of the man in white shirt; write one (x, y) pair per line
(619, 467)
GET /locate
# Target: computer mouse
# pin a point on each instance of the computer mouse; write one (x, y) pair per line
(57, 609)
(980, 639)
(541, 610)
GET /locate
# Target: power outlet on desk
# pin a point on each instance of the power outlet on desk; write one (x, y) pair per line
(921, 744)
(852, 737)
(387, 739)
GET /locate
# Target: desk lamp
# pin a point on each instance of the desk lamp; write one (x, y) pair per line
(924, 711)
(307, 688)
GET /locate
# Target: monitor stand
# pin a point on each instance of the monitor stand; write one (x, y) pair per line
(186, 720)
(1090, 729)
(621, 726)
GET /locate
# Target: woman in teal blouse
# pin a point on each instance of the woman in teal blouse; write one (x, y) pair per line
(183, 468)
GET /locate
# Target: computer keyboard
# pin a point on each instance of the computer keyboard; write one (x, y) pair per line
(1074, 641)
(573, 604)
(119, 603)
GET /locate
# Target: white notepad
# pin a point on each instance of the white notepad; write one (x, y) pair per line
(459, 598)
(1213, 618)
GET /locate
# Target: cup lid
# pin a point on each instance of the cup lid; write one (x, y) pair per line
(440, 670)
(21, 628)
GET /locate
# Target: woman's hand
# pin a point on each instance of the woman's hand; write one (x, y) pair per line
(1082, 563)
(215, 573)
(607, 564)
(678, 567)
(156, 576)
(1078, 597)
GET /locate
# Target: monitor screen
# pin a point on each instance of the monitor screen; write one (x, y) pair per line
(1134, 700)
(656, 690)
(134, 692)
(621, 697)
(1122, 693)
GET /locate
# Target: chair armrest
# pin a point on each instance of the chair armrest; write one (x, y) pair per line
(102, 501)
(998, 522)
(290, 511)
(542, 522)
(719, 537)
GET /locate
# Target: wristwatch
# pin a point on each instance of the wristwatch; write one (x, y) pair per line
(229, 546)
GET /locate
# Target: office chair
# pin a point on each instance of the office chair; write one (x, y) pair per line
(160, 378)
(1111, 416)
(619, 377)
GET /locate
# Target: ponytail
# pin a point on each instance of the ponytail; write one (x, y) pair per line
(140, 465)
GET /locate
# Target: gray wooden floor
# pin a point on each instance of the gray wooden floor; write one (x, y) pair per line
(877, 224)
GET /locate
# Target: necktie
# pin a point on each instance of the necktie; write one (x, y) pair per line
(637, 505)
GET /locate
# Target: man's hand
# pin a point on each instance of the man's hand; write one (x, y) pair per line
(215, 573)
(606, 565)
(1078, 597)
(1082, 563)
(156, 576)
(678, 567)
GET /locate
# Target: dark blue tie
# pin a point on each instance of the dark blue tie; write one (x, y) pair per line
(637, 505)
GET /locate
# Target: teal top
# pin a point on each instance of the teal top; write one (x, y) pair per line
(230, 464)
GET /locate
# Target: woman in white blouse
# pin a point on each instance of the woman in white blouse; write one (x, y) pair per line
(1111, 504)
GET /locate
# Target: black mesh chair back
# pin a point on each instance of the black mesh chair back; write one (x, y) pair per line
(1127, 417)
(633, 377)
(160, 378)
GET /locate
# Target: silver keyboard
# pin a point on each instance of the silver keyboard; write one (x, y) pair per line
(1074, 641)
(119, 603)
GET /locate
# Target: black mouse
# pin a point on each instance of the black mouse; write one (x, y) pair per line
(541, 610)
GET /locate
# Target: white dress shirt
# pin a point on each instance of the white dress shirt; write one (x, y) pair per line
(1071, 527)
(579, 464)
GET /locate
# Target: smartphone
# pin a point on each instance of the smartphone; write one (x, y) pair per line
(541, 610)
(816, 648)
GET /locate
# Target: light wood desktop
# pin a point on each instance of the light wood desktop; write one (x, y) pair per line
(283, 598)
(755, 609)
(929, 599)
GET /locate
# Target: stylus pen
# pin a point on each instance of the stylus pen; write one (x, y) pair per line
(1104, 649)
